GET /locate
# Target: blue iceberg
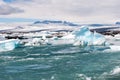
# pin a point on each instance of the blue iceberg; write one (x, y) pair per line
(7, 45)
(85, 37)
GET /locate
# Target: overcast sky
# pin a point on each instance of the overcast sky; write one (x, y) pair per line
(82, 11)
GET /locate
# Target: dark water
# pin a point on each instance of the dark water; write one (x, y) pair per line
(63, 62)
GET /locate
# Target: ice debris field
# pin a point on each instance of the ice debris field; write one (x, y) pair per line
(82, 38)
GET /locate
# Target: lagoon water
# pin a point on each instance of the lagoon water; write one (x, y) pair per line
(63, 62)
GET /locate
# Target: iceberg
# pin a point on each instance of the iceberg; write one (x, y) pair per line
(113, 48)
(7, 45)
(93, 41)
(85, 37)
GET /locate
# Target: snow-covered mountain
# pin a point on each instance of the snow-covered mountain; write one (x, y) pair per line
(65, 23)
(118, 23)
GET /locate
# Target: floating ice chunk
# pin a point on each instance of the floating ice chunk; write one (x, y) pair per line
(83, 35)
(87, 37)
(36, 42)
(7, 45)
(69, 36)
(114, 48)
(83, 77)
(116, 70)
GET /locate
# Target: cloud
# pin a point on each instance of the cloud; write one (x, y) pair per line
(7, 10)
(27, 1)
(72, 10)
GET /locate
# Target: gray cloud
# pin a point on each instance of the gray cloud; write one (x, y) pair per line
(6, 10)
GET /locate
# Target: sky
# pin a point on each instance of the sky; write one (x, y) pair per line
(81, 11)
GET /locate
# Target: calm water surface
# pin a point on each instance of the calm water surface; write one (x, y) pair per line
(63, 62)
